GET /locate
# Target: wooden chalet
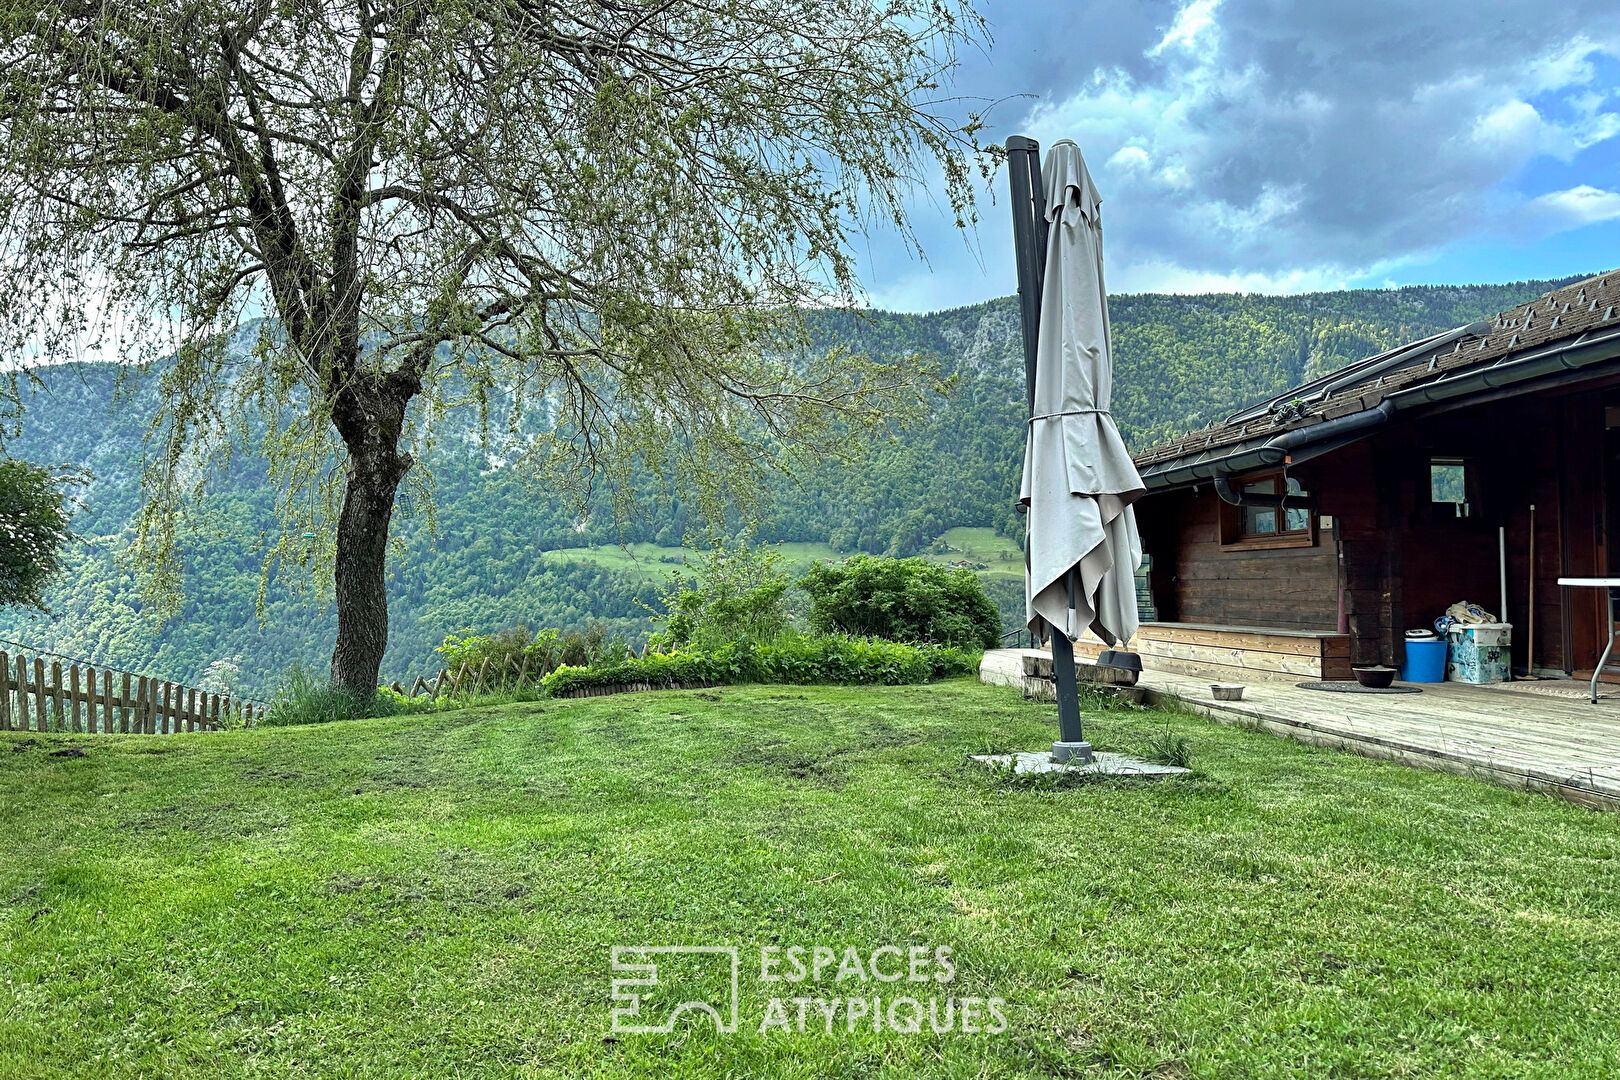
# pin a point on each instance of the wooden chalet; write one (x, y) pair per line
(1310, 531)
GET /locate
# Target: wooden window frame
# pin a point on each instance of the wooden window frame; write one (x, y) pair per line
(1231, 523)
(1443, 512)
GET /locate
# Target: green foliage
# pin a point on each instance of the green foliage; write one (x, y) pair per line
(498, 555)
(415, 191)
(33, 530)
(740, 595)
(304, 698)
(902, 600)
(790, 658)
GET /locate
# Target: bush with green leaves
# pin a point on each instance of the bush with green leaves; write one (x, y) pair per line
(910, 600)
(34, 514)
(740, 594)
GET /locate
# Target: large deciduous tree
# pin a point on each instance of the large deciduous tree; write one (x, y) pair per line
(604, 212)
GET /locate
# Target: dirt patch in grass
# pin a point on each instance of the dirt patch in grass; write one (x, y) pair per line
(219, 821)
(458, 878)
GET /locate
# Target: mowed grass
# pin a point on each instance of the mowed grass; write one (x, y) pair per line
(438, 895)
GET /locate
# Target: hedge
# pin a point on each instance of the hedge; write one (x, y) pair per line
(807, 659)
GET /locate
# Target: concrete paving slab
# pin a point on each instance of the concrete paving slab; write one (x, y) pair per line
(1103, 763)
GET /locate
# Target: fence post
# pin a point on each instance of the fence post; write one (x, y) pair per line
(107, 712)
(123, 704)
(39, 694)
(5, 692)
(92, 701)
(73, 696)
(22, 693)
(59, 715)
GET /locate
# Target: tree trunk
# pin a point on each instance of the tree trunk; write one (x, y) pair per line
(375, 472)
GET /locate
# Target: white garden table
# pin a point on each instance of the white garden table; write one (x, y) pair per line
(1610, 584)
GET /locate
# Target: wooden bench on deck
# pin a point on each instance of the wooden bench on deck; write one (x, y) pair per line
(1236, 653)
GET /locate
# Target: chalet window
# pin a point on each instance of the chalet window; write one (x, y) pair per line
(1268, 526)
(1448, 485)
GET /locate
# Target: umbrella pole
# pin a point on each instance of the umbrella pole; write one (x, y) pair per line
(1029, 246)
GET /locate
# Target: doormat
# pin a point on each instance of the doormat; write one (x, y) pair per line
(1353, 687)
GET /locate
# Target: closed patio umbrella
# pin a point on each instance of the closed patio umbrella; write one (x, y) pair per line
(1079, 481)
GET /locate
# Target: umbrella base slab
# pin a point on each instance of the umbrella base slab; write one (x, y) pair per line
(1103, 763)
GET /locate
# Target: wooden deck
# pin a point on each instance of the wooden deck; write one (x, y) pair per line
(1515, 737)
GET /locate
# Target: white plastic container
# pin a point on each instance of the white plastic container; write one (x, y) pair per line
(1479, 652)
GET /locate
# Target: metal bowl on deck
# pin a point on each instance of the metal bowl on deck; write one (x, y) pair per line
(1374, 676)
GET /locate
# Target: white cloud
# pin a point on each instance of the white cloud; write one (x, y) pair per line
(1576, 206)
(1192, 22)
(1276, 146)
(1130, 157)
(1159, 276)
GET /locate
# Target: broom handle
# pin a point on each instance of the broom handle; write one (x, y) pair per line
(1530, 605)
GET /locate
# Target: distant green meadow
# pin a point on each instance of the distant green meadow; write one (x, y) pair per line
(448, 895)
(999, 555)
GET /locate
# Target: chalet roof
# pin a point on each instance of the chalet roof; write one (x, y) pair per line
(1582, 310)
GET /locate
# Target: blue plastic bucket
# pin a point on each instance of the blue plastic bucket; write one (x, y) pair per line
(1425, 662)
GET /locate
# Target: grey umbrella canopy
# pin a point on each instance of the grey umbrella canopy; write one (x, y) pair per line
(1079, 481)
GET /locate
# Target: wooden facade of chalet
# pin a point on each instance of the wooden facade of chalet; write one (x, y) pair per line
(1327, 521)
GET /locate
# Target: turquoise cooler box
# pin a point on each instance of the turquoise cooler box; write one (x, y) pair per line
(1479, 652)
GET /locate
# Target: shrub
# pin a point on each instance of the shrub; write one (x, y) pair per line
(911, 600)
(740, 595)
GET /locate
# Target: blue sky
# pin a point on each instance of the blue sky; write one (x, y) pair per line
(1290, 145)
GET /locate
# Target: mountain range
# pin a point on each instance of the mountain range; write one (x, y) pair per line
(503, 553)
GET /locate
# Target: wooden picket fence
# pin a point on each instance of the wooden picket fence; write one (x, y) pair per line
(470, 680)
(36, 696)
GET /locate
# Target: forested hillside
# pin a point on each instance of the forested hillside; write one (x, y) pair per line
(506, 552)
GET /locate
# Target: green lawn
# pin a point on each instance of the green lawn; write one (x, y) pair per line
(438, 895)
